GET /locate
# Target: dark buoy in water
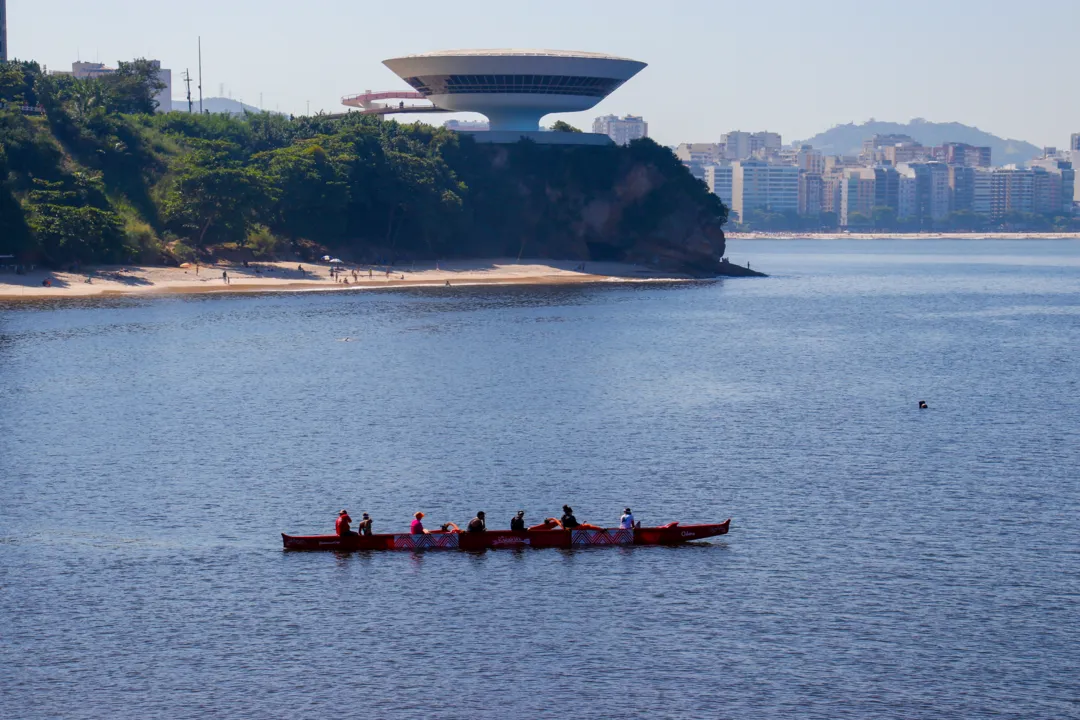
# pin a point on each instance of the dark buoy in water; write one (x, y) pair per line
(923, 405)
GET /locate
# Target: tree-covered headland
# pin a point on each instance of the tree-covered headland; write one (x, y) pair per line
(96, 176)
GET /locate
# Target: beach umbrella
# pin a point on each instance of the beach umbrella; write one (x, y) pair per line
(325, 258)
(337, 261)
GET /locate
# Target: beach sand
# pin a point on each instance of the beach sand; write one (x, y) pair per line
(285, 277)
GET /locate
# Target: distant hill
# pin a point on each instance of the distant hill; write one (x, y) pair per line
(848, 139)
(218, 105)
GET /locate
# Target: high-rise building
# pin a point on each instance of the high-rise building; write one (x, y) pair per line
(739, 145)
(906, 197)
(876, 143)
(857, 194)
(698, 156)
(830, 192)
(811, 189)
(621, 130)
(962, 187)
(810, 160)
(886, 187)
(1061, 189)
(931, 189)
(1074, 142)
(3, 31)
(757, 185)
(719, 180)
(967, 155)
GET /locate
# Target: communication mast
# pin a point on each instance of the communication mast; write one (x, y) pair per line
(187, 81)
(200, 76)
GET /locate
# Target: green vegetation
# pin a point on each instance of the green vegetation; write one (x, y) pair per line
(97, 177)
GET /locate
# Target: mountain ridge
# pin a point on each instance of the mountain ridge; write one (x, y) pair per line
(848, 139)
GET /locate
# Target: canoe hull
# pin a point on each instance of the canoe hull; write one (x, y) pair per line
(496, 539)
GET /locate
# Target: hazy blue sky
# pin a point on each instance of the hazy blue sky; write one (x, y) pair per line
(792, 66)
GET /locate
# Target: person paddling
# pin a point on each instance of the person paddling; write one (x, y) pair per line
(417, 527)
(569, 522)
(517, 523)
(626, 522)
(343, 523)
(477, 524)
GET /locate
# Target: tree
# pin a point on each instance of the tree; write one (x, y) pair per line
(226, 199)
(883, 217)
(133, 88)
(561, 126)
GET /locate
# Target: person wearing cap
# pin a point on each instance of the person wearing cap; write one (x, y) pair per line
(417, 527)
(517, 523)
(626, 522)
(364, 526)
(477, 524)
(342, 524)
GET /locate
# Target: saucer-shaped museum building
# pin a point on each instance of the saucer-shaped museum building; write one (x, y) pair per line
(514, 88)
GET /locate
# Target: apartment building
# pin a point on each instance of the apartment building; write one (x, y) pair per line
(621, 129)
(719, 179)
(810, 160)
(857, 194)
(739, 145)
(931, 200)
(811, 190)
(1059, 194)
(757, 185)
(966, 155)
(962, 187)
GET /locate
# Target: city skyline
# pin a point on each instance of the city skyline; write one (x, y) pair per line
(290, 59)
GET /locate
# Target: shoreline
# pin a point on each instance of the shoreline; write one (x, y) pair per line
(280, 276)
(899, 236)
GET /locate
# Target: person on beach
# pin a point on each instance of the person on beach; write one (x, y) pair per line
(416, 527)
(626, 522)
(364, 526)
(517, 523)
(225, 276)
(342, 524)
(477, 524)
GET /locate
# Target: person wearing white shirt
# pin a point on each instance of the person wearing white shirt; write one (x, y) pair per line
(626, 522)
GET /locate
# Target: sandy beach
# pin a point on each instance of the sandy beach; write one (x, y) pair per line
(899, 236)
(286, 277)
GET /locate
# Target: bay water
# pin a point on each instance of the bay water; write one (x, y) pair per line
(883, 561)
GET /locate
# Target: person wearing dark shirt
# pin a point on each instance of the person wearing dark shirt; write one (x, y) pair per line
(517, 523)
(569, 522)
(364, 526)
(477, 524)
(342, 524)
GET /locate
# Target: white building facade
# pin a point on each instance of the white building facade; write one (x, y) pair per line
(719, 180)
(757, 185)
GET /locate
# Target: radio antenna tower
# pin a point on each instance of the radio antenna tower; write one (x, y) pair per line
(187, 80)
(200, 76)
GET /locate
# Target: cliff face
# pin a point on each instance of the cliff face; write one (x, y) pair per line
(634, 204)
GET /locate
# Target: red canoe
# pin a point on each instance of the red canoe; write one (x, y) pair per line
(671, 534)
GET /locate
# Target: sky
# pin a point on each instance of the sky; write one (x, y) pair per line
(790, 66)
